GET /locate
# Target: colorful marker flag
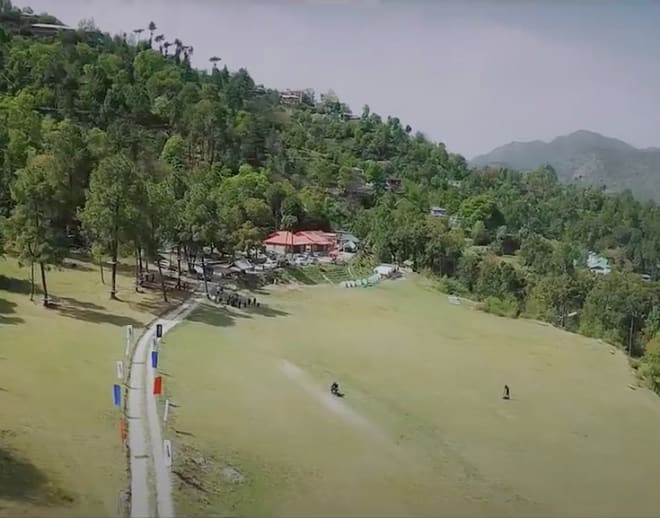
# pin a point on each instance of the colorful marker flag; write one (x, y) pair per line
(167, 447)
(116, 394)
(119, 367)
(166, 412)
(159, 330)
(154, 359)
(158, 385)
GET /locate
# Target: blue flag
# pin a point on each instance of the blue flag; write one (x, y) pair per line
(116, 394)
(154, 359)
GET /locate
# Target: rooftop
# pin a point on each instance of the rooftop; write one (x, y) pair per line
(52, 26)
(302, 238)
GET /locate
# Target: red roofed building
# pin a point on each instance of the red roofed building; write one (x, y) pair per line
(284, 242)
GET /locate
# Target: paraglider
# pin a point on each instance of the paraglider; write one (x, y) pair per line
(334, 389)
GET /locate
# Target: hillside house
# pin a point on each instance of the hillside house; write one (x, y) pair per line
(347, 242)
(598, 264)
(351, 116)
(438, 211)
(49, 29)
(291, 96)
(297, 96)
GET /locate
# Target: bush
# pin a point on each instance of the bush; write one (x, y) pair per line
(650, 364)
(480, 235)
(452, 287)
(506, 307)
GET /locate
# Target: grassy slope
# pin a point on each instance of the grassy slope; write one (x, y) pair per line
(575, 440)
(59, 444)
(327, 273)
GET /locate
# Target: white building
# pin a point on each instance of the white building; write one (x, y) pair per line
(385, 270)
(598, 264)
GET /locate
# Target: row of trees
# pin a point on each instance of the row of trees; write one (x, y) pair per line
(125, 149)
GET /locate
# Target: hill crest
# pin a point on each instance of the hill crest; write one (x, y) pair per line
(587, 157)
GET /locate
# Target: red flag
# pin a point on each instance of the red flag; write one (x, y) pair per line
(158, 385)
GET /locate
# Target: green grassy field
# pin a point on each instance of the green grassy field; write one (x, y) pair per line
(423, 429)
(326, 273)
(60, 453)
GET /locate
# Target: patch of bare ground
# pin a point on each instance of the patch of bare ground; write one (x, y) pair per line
(201, 476)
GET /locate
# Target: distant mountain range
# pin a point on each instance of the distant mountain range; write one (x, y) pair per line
(586, 157)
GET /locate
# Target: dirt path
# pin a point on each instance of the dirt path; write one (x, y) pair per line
(144, 425)
(332, 403)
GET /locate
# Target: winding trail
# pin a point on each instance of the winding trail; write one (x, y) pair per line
(144, 425)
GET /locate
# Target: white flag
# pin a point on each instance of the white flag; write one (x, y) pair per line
(167, 447)
(119, 366)
(129, 339)
(166, 412)
(129, 332)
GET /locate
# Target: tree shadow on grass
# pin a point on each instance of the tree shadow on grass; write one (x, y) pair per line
(86, 263)
(125, 269)
(77, 266)
(215, 316)
(85, 311)
(7, 308)
(80, 255)
(266, 311)
(69, 301)
(22, 481)
(14, 285)
(155, 304)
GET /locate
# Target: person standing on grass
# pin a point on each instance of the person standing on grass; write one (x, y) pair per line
(507, 394)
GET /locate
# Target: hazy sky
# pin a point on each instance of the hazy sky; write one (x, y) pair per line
(473, 74)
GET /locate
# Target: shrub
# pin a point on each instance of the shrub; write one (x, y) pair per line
(452, 287)
(503, 307)
(650, 364)
(480, 235)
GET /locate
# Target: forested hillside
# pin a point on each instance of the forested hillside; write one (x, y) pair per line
(587, 158)
(117, 145)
